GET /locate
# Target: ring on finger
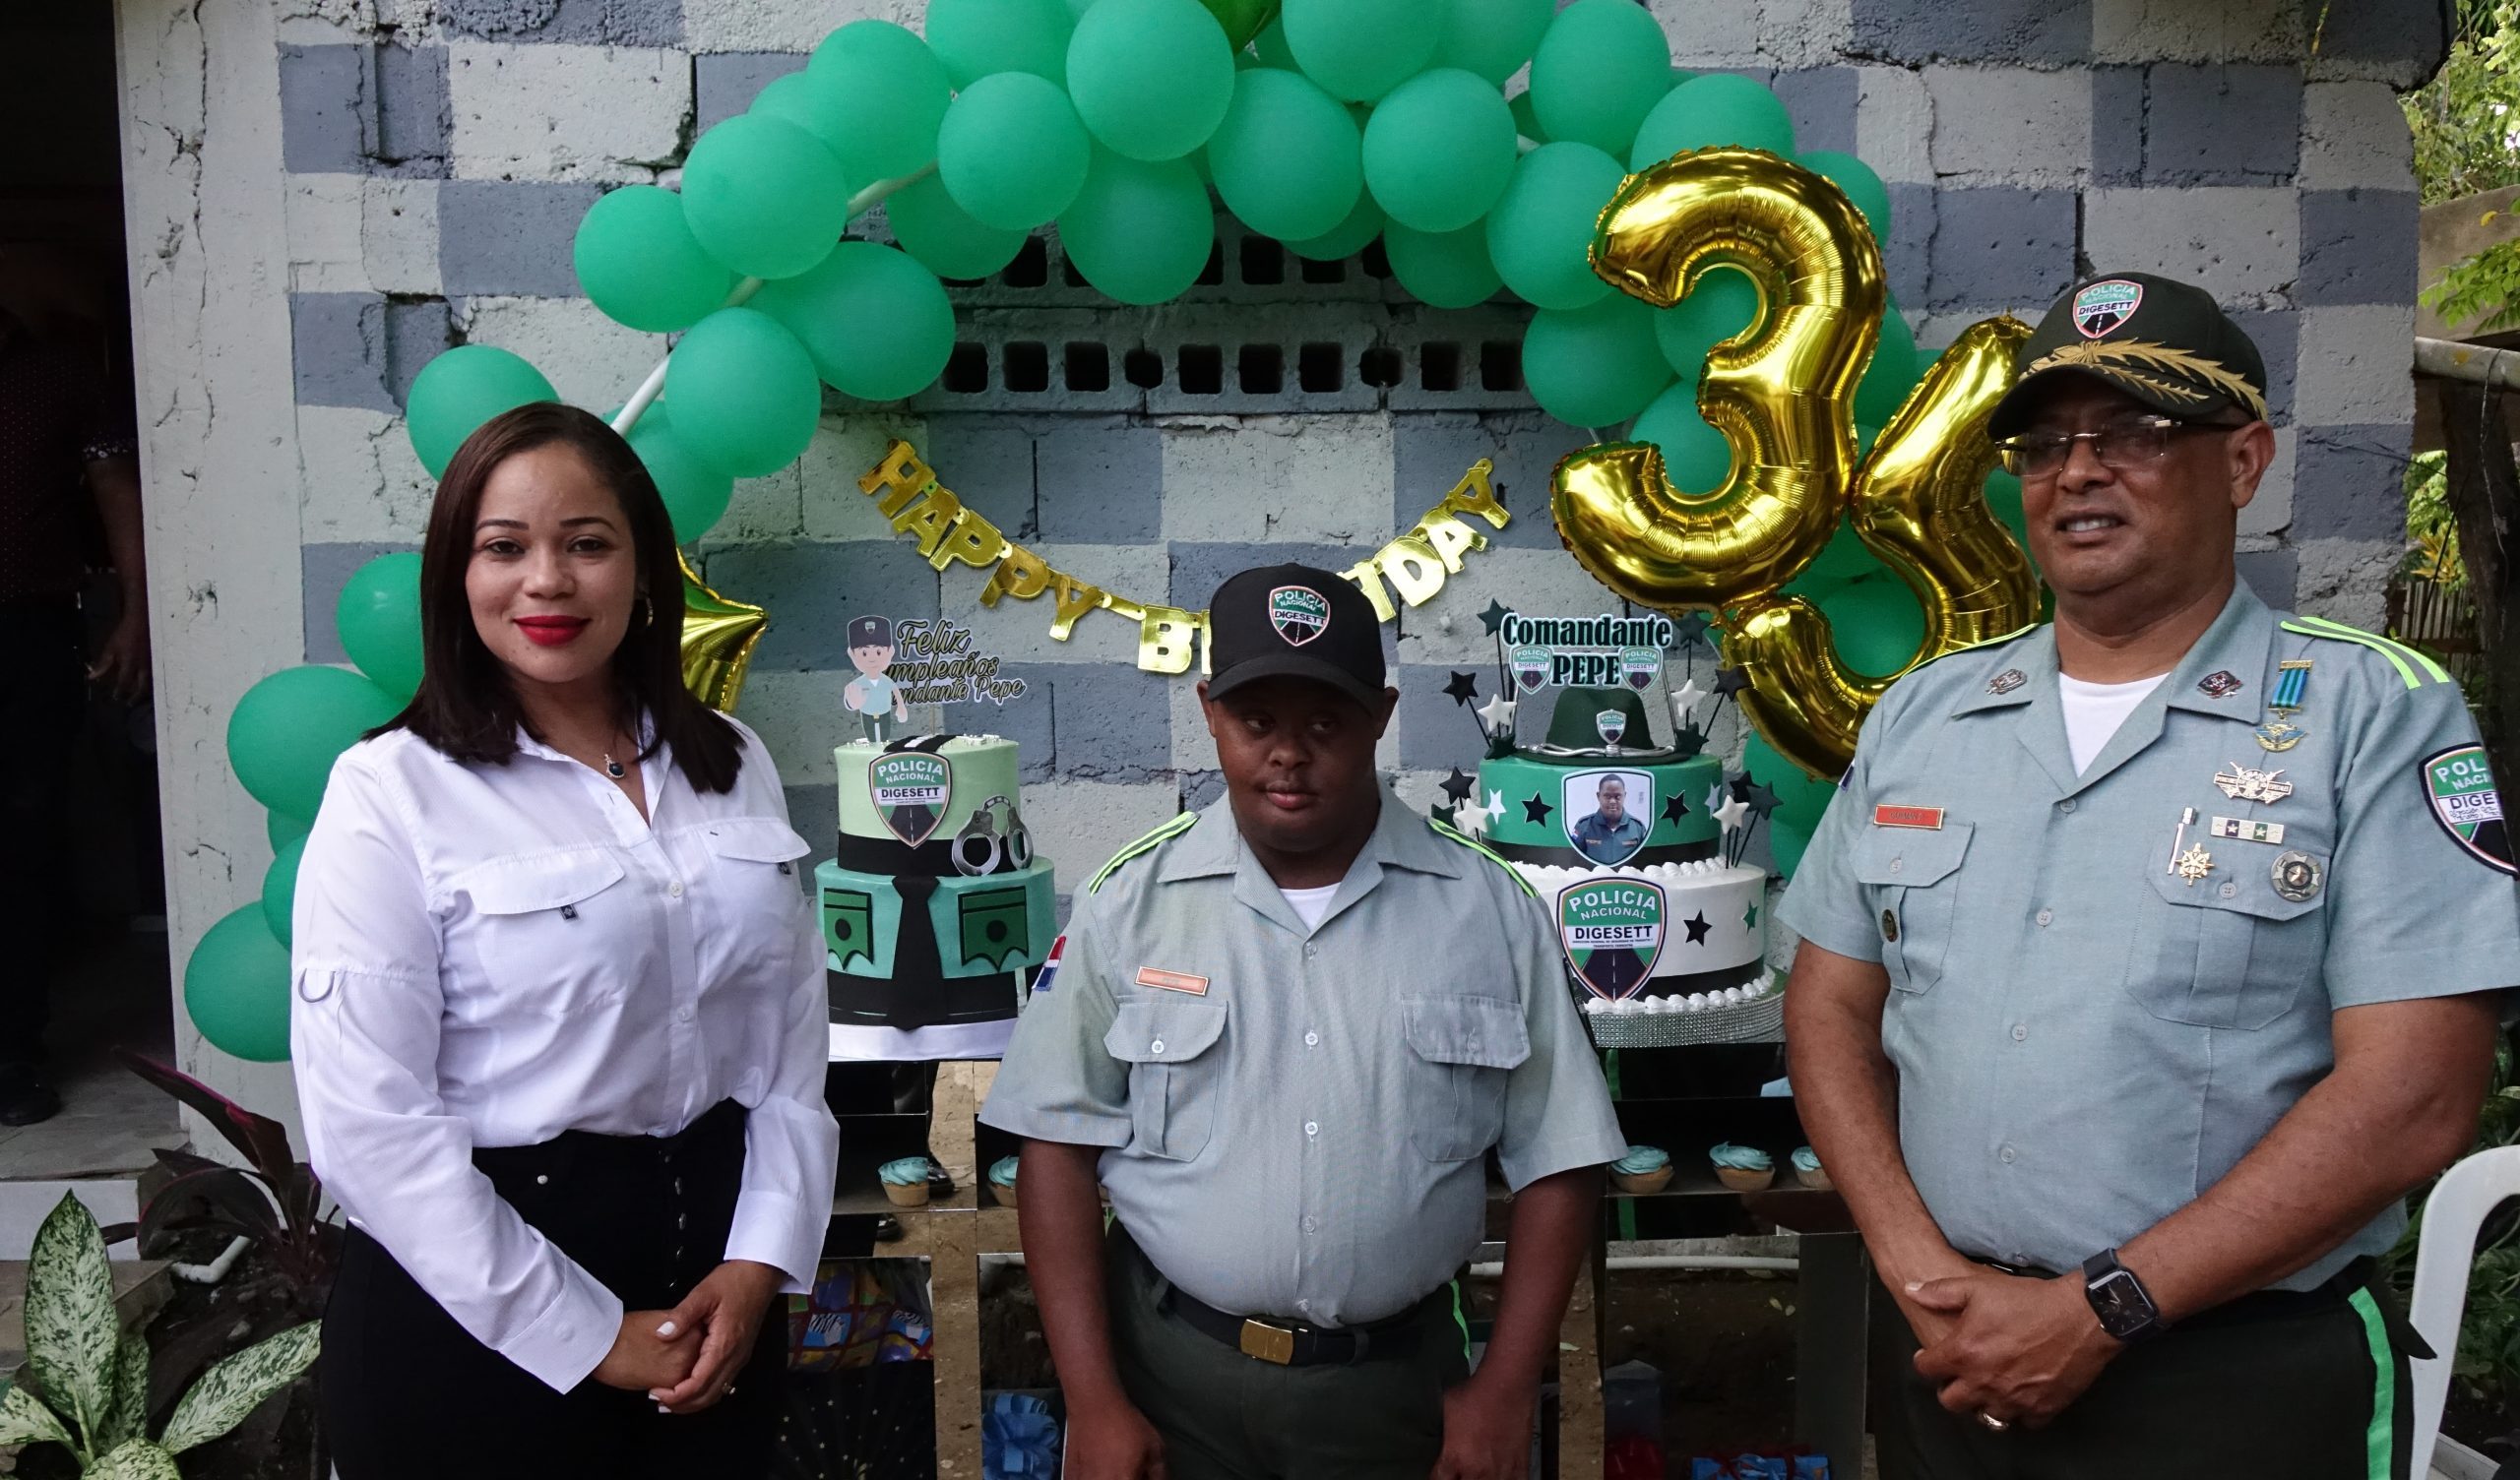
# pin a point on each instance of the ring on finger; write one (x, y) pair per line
(1994, 1424)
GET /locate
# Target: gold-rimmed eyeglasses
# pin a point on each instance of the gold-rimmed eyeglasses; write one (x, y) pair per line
(2119, 445)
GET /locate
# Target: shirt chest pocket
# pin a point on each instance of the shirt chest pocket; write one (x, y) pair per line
(2230, 949)
(1911, 879)
(754, 900)
(1175, 1073)
(556, 935)
(1462, 1049)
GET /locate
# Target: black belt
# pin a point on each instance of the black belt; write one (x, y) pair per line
(1290, 1344)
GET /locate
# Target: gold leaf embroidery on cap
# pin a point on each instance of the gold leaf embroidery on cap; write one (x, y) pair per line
(2148, 363)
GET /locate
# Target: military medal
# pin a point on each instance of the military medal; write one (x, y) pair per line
(2194, 864)
(2007, 681)
(2243, 785)
(2297, 876)
(2291, 680)
(2222, 683)
(2246, 829)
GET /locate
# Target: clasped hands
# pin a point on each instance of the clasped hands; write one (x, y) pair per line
(687, 1358)
(2003, 1348)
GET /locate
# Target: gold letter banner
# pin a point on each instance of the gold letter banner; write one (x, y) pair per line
(1170, 639)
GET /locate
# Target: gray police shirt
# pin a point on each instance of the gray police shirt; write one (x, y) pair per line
(2105, 988)
(1297, 1121)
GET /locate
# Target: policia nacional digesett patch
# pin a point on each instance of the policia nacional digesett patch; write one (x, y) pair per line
(2458, 784)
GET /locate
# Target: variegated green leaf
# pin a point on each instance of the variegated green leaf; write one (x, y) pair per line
(137, 1460)
(127, 1415)
(24, 1419)
(71, 1327)
(231, 1390)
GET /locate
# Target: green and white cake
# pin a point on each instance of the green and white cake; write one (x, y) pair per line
(937, 913)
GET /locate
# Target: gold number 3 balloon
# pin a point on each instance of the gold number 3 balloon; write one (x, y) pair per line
(1782, 394)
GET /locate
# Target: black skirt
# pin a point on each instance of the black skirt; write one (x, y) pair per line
(407, 1391)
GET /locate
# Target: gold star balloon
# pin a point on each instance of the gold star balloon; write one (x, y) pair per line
(717, 638)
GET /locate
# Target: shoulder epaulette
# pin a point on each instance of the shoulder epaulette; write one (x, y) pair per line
(1180, 823)
(2412, 666)
(1446, 830)
(2017, 631)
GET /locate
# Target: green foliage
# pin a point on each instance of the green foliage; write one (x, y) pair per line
(2432, 525)
(93, 1376)
(2467, 140)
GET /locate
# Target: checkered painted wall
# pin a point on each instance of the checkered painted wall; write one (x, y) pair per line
(438, 166)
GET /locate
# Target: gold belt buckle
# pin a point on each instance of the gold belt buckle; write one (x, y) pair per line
(1268, 1343)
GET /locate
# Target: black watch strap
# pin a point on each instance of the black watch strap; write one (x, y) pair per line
(2124, 1307)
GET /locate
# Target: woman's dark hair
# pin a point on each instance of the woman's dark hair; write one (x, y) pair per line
(466, 706)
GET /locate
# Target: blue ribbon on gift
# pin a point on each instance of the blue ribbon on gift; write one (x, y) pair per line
(1018, 1438)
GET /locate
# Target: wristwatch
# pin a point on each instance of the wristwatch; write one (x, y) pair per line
(2124, 1307)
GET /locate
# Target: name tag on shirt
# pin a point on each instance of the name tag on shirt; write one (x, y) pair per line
(1927, 818)
(1172, 982)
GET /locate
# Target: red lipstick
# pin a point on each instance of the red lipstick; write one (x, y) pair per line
(551, 631)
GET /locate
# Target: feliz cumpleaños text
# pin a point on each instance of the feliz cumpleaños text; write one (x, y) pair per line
(935, 665)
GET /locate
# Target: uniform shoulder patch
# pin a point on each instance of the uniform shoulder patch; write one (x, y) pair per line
(1445, 830)
(2018, 632)
(1181, 823)
(2418, 670)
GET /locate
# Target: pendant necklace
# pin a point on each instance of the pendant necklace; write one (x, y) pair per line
(612, 768)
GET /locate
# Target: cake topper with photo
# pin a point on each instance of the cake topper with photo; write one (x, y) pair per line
(1607, 812)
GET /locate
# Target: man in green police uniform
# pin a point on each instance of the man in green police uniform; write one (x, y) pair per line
(1285, 1031)
(2149, 959)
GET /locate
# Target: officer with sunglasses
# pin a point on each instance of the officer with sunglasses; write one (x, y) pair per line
(2150, 957)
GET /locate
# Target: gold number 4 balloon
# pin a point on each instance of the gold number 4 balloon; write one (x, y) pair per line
(1781, 393)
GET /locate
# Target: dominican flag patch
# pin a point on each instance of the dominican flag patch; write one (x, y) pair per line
(1049, 967)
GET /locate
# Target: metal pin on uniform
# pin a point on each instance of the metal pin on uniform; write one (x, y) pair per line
(2178, 840)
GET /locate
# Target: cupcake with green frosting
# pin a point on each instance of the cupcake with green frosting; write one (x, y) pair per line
(905, 1181)
(1643, 1169)
(1002, 1181)
(1806, 1170)
(1745, 1169)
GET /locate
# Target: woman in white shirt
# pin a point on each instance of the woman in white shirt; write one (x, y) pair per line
(560, 1025)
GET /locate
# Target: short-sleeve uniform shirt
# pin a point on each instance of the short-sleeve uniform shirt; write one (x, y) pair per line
(1602, 840)
(1297, 1121)
(2107, 987)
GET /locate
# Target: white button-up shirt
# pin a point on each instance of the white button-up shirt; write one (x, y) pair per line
(489, 956)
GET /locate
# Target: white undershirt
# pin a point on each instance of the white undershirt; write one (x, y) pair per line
(2094, 711)
(1310, 904)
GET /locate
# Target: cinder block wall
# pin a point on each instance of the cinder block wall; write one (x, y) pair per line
(437, 159)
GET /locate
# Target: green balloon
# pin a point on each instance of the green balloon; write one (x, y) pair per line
(890, 93)
(1877, 624)
(1439, 150)
(639, 263)
(975, 39)
(1270, 49)
(1593, 366)
(1364, 222)
(288, 729)
(1695, 456)
(1361, 49)
(1801, 797)
(931, 227)
(744, 394)
(283, 830)
(1842, 559)
(1443, 268)
(1541, 232)
(696, 494)
(1601, 68)
(454, 393)
(1704, 112)
(2003, 496)
(236, 988)
(1493, 37)
(1862, 185)
(763, 196)
(1892, 373)
(1288, 158)
(1012, 151)
(1786, 843)
(1526, 118)
(280, 888)
(1151, 78)
(808, 102)
(1243, 19)
(1140, 230)
(877, 324)
(378, 619)
(1723, 303)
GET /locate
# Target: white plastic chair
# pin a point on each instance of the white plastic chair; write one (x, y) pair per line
(2466, 1195)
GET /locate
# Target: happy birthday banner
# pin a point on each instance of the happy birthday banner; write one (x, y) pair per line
(1414, 566)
